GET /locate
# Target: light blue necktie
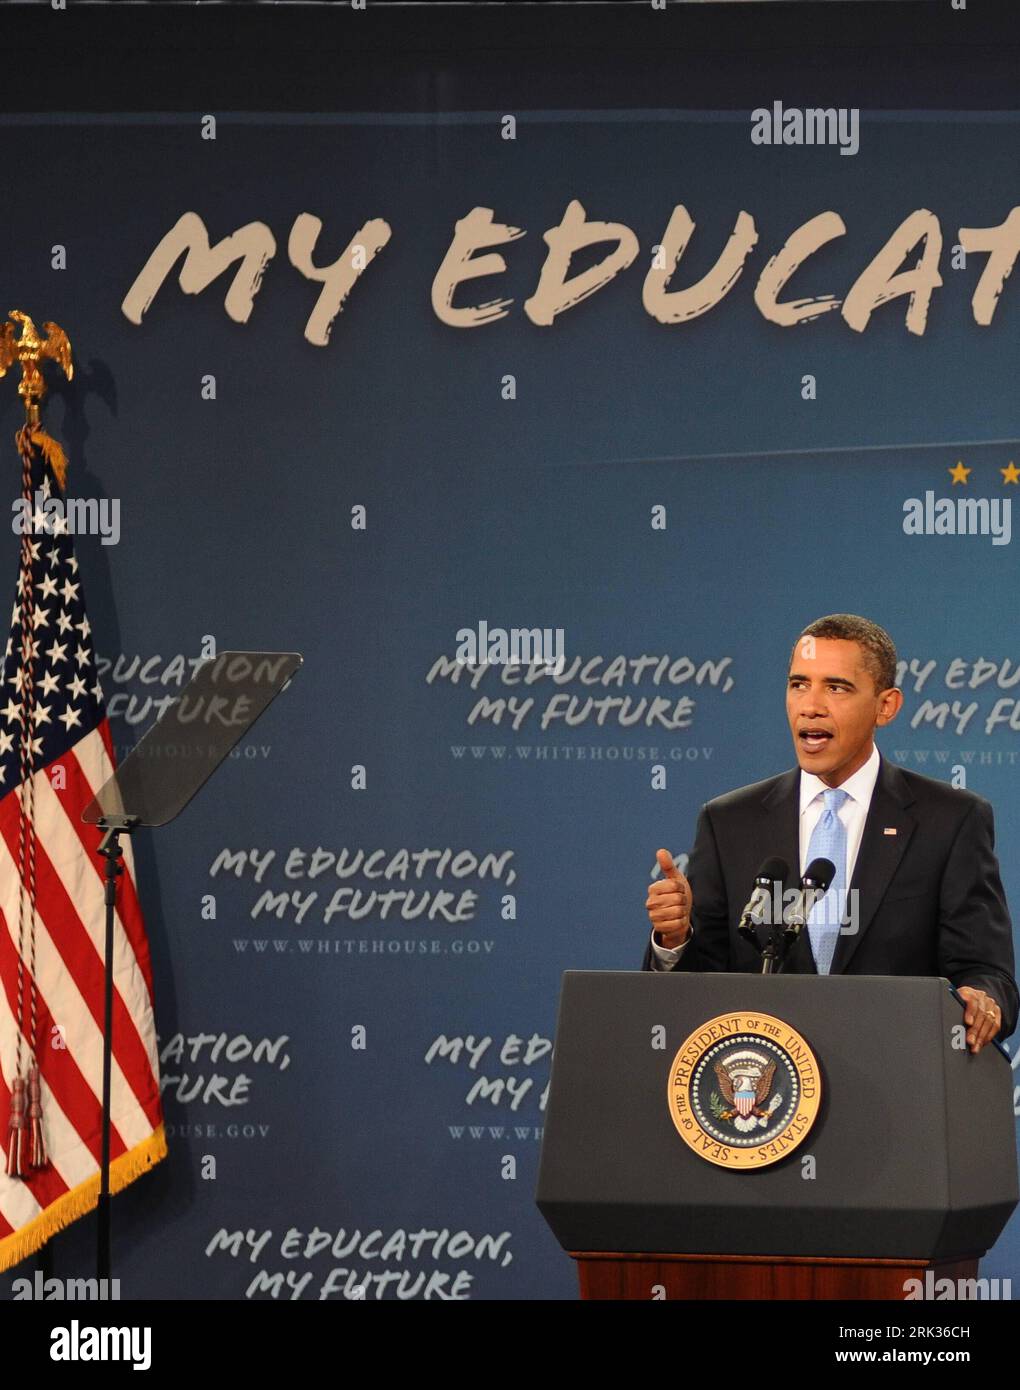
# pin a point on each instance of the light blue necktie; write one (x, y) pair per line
(828, 841)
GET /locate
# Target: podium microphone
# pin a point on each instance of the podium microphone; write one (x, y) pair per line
(754, 914)
(813, 887)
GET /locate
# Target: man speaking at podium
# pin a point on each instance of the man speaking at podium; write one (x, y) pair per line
(916, 854)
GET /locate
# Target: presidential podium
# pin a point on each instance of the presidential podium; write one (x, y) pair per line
(788, 1136)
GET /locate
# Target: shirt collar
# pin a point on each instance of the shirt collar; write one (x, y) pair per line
(860, 786)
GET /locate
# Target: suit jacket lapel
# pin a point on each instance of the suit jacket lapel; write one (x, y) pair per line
(783, 806)
(878, 857)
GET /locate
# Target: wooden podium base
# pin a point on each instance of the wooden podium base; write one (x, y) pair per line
(618, 1275)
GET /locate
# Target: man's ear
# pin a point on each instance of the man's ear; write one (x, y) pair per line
(890, 702)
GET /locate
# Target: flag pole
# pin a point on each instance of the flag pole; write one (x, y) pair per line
(26, 1142)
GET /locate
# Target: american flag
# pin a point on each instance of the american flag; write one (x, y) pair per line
(52, 910)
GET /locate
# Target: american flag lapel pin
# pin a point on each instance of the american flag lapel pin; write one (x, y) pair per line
(889, 830)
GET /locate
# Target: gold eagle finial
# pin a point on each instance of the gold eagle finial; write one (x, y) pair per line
(30, 351)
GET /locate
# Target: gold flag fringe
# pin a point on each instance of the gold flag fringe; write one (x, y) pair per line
(81, 1200)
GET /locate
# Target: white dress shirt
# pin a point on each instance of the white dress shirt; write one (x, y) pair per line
(853, 813)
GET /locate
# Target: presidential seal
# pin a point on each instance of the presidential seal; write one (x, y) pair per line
(744, 1090)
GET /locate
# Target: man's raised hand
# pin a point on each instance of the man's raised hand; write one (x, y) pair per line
(669, 903)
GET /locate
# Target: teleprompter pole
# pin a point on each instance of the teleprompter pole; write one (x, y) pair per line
(110, 848)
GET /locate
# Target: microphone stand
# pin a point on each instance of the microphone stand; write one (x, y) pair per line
(782, 935)
(771, 956)
(789, 936)
(773, 953)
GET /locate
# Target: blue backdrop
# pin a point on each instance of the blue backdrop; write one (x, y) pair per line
(376, 1074)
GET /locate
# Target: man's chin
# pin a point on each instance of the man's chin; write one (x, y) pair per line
(821, 763)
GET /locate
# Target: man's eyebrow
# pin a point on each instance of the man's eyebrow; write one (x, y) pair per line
(829, 680)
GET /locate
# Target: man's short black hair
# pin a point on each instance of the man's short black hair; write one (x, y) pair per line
(877, 645)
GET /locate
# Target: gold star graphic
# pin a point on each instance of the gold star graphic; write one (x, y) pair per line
(959, 474)
(1010, 474)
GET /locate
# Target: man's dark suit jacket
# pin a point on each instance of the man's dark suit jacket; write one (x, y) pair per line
(930, 896)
